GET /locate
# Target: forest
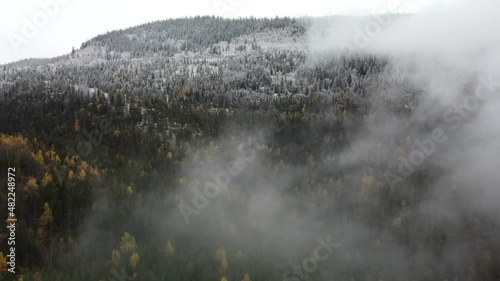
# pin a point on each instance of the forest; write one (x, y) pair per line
(117, 144)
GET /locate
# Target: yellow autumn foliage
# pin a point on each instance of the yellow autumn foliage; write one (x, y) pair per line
(246, 277)
(31, 184)
(14, 142)
(3, 263)
(82, 175)
(45, 220)
(170, 248)
(128, 244)
(46, 217)
(94, 172)
(134, 260)
(47, 179)
(70, 161)
(52, 156)
(224, 264)
(38, 157)
(116, 259)
(84, 165)
(220, 254)
(130, 191)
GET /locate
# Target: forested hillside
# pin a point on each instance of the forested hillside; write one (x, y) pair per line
(114, 142)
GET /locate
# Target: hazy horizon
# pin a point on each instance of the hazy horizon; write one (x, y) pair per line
(68, 24)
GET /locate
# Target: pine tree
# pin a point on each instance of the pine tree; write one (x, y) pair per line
(116, 259)
(170, 248)
(45, 220)
(134, 260)
(128, 245)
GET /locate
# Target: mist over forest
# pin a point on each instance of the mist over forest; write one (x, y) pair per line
(206, 148)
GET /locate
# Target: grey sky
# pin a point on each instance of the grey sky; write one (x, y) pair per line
(72, 22)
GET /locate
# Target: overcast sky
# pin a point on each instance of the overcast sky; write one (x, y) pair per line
(70, 22)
